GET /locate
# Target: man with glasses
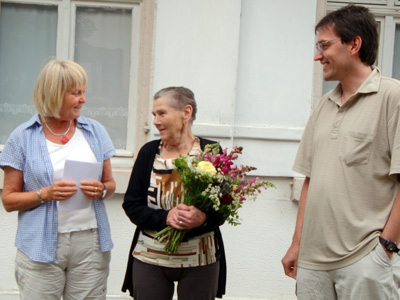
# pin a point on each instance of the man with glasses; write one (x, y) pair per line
(348, 223)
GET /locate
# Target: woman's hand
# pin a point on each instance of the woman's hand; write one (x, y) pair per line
(59, 191)
(92, 189)
(15, 199)
(185, 217)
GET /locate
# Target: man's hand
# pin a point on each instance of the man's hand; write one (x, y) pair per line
(289, 261)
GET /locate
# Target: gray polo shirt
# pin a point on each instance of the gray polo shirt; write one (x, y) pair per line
(351, 153)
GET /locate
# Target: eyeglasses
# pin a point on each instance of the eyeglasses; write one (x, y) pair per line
(321, 45)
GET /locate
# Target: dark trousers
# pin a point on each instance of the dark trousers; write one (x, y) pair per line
(152, 282)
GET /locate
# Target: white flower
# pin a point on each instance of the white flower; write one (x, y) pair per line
(205, 167)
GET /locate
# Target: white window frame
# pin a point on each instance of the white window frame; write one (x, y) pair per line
(362, 1)
(380, 57)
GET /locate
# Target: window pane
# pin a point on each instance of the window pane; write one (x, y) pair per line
(27, 41)
(396, 56)
(102, 47)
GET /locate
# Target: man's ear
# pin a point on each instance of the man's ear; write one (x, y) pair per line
(355, 43)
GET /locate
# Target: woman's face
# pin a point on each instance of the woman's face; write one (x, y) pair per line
(167, 119)
(72, 103)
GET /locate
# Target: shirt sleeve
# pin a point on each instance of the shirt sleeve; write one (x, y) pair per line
(394, 142)
(303, 161)
(13, 154)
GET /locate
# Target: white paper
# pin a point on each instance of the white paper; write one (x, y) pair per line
(77, 171)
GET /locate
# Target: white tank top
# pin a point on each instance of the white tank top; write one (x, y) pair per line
(76, 149)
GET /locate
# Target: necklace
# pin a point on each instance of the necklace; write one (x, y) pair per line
(64, 139)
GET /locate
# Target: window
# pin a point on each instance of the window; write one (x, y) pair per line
(103, 37)
(28, 35)
(396, 56)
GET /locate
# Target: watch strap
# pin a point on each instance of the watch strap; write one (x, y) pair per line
(389, 245)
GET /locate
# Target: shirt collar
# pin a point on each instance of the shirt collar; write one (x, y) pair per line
(370, 85)
(81, 121)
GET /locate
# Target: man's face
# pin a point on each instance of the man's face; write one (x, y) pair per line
(333, 55)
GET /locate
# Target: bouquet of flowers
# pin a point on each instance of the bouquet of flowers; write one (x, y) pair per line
(211, 181)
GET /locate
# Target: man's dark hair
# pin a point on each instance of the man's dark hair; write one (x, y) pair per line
(351, 21)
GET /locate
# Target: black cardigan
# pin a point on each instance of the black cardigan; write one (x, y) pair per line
(146, 218)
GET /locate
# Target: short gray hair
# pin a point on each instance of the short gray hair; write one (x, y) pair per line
(182, 96)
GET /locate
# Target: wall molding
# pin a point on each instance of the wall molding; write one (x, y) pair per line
(269, 133)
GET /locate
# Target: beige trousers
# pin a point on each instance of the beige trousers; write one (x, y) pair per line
(374, 277)
(80, 271)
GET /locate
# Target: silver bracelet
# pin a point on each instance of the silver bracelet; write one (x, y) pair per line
(40, 198)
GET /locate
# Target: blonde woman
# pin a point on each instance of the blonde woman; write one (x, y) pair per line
(63, 250)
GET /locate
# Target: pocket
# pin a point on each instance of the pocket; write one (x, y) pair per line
(99, 260)
(381, 257)
(356, 148)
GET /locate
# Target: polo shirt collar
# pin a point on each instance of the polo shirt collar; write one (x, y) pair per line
(370, 85)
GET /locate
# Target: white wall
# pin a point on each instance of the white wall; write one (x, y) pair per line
(274, 85)
(250, 65)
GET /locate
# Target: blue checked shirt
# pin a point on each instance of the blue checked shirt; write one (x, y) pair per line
(26, 150)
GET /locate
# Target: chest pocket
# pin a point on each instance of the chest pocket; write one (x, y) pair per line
(356, 148)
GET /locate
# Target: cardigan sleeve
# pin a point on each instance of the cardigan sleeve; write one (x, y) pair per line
(135, 199)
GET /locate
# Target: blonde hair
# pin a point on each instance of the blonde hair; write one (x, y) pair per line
(56, 78)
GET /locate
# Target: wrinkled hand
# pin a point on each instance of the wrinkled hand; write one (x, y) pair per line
(92, 189)
(289, 261)
(185, 217)
(59, 191)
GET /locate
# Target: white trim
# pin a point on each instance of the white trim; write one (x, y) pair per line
(388, 46)
(78, 3)
(268, 133)
(363, 2)
(271, 133)
(380, 56)
(63, 30)
(381, 10)
(134, 78)
(35, 2)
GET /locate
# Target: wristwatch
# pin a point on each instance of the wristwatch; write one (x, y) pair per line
(389, 245)
(104, 192)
